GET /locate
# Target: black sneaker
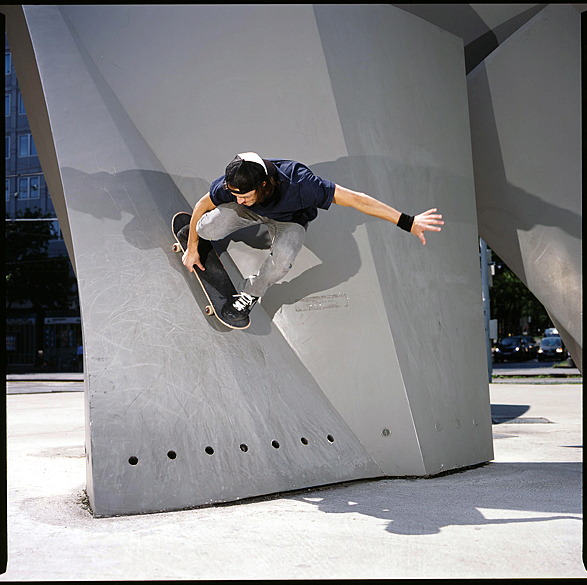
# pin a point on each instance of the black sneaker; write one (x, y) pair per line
(239, 306)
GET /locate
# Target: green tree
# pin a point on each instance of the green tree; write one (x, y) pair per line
(31, 275)
(511, 301)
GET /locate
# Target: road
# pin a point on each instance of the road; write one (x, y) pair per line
(534, 368)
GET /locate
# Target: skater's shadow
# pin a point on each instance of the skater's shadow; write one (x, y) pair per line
(330, 237)
(495, 494)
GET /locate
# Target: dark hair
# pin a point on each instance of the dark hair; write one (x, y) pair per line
(265, 191)
(244, 175)
(247, 176)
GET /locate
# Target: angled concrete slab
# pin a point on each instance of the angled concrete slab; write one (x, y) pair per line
(483, 27)
(526, 135)
(367, 360)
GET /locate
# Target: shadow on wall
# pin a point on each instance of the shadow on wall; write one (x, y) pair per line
(479, 49)
(526, 212)
(462, 19)
(331, 236)
(151, 198)
(146, 200)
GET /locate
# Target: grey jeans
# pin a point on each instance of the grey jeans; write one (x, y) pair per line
(286, 241)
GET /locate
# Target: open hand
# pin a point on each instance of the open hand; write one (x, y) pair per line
(189, 259)
(427, 221)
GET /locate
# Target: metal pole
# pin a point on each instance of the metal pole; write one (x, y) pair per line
(486, 310)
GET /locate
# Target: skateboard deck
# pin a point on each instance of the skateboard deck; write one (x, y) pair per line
(215, 281)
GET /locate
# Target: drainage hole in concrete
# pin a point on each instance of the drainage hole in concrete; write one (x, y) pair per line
(133, 460)
(244, 448)
(171, 454)
(304, 441)
(275, 444)
(209, 450)
(330, 438)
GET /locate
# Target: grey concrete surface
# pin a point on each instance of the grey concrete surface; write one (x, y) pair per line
(525, 111)
(136, 113)
(519, 516)
(481, 26)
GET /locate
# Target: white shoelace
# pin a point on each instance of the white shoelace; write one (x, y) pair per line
(243, 300)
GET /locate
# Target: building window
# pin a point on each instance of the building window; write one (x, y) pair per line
(29, 188)
(7, 147)
(26, 146)
(34, 188)
(6, 104)
(7, 64)
(7, 189)
(56, 230)
(23, 188)
(20, 105)
(11, 342)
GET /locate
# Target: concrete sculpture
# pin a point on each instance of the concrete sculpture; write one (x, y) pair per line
(368, 359)
(526, 133)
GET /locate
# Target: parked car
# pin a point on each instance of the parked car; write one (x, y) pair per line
(511, 348)
(532, 346)
(552, 348)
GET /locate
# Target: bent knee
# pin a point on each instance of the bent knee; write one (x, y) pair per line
(208, 232)
(211, 228)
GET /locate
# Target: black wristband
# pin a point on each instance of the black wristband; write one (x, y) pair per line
(405, 222)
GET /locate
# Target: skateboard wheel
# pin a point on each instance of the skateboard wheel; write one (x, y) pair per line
(176, 248)
(209, 310)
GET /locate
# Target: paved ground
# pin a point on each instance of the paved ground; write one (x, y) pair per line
(517, 517)
(533, 368)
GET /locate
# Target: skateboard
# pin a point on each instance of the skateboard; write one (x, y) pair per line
(215, 281)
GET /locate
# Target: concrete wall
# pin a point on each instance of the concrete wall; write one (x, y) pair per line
(525, 113)
(483, 27)
(525, 118)
(372, 339)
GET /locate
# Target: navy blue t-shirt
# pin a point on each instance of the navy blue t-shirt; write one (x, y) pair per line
(297, 198)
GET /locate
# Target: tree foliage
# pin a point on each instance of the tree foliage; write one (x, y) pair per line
(511, 301)
(32, 276)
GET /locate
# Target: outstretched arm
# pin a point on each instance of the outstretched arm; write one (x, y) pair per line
(426, 221)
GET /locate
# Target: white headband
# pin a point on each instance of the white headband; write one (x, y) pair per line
(253, 157)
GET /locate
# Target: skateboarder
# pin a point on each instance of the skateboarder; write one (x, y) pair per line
(285, 196)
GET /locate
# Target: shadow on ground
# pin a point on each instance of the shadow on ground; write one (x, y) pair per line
(498, 493)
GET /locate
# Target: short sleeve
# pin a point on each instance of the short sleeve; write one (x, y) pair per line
(218, 194)
(316, 191)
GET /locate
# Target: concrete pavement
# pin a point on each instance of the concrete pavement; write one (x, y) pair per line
(535, 369)
(517, 517)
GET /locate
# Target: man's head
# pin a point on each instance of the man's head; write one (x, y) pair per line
(247, 177)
